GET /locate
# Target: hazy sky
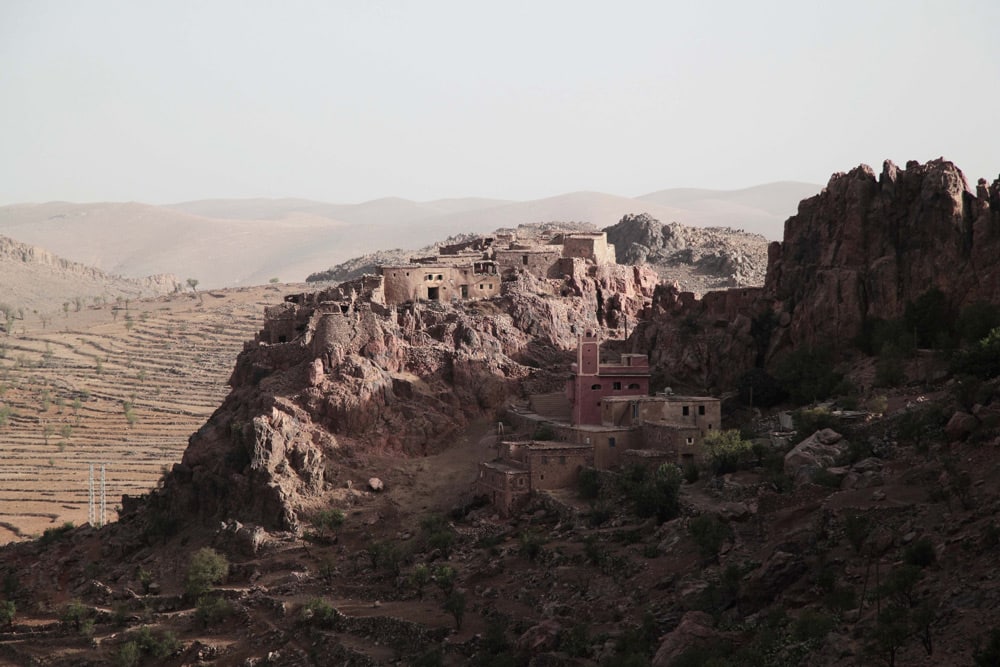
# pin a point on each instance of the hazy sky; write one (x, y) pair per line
(352, 100)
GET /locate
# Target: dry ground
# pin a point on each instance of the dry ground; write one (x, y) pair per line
(113, 385)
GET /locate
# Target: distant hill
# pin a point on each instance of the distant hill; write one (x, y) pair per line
(232, 242)
(35, 279)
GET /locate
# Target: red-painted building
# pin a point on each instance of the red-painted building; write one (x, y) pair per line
(591, 380)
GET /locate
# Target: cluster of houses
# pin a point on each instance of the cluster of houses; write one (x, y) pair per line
(605, 418)
(472, 270)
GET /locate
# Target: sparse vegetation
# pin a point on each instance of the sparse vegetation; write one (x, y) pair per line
(207, 568)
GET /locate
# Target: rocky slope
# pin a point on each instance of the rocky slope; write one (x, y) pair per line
(863, 248)
(35, 279)
(357, 378)
(698, 259)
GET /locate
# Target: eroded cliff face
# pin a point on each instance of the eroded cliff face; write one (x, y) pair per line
(862, 248)
(868, 245)
(337, 374)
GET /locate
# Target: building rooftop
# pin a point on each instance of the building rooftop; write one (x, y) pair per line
(506, 467)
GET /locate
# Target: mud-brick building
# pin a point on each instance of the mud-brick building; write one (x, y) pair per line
(532, 465)
(441, 281)
(605, 419)
(472, 269)
(591, 381)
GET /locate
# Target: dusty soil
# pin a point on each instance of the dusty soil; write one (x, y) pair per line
(121, 385)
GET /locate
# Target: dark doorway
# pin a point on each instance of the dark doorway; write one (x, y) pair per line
(465, 291)
(433, 293)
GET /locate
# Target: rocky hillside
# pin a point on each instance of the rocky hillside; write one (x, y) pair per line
(375, 379)
(36, 280)
(698, 259)
(857, 253)
(331, 483)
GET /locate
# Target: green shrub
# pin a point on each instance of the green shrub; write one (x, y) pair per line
(212, 610)
(320, 613)
(128, 655)
(726, 451)
(889, 371)
(454, 604)
(531, 545)
(544, 432)
(654, 494)
(156, 645)
(931, 318)
(75, 614)
(588, 484)
(759, 389)
(920, 553)
(989, 655)
(812, 626)
(977, 320)
(981, 359)
(808, 421)
(857, 527)
(53, 534)
(691, 473)
(419, 578)
(444, 577)
(709, 534)
(807, 374)
(437, 534)
(7, 611)
(207, 568)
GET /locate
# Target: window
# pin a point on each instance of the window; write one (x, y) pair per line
(595, 387)
(709, 427)
(562, 460)
(685, 411)
(440, 277)
(701, 409)
(524, 260)
(617, 386)
(520, 482)
(480, 286)
(634, 385)
(635, 411)
(611, 442)
(690, 441)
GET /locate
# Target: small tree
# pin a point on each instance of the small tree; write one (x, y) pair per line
(207, 567)
(727, 451)
(419, 578)
(7, 611)
(454, 604)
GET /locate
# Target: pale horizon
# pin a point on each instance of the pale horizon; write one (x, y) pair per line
(165, 103)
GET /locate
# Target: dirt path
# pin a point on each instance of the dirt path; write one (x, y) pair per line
(439, 482)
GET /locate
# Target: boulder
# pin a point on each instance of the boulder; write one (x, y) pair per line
(819, 451)
(696, 629)
(375, 484)
(540, 638)
(961, 425)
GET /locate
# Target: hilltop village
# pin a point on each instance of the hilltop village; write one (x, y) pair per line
(602, 418)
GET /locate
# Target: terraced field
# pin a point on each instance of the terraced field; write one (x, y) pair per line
(113, 386)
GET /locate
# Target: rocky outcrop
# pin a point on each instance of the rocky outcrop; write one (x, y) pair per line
(337, 374)
(863, 248)
(707, 258)
(867, 245)
(819, 451)
(34, 278)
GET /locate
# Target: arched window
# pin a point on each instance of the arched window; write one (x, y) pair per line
(634, 385)
(595, 387)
